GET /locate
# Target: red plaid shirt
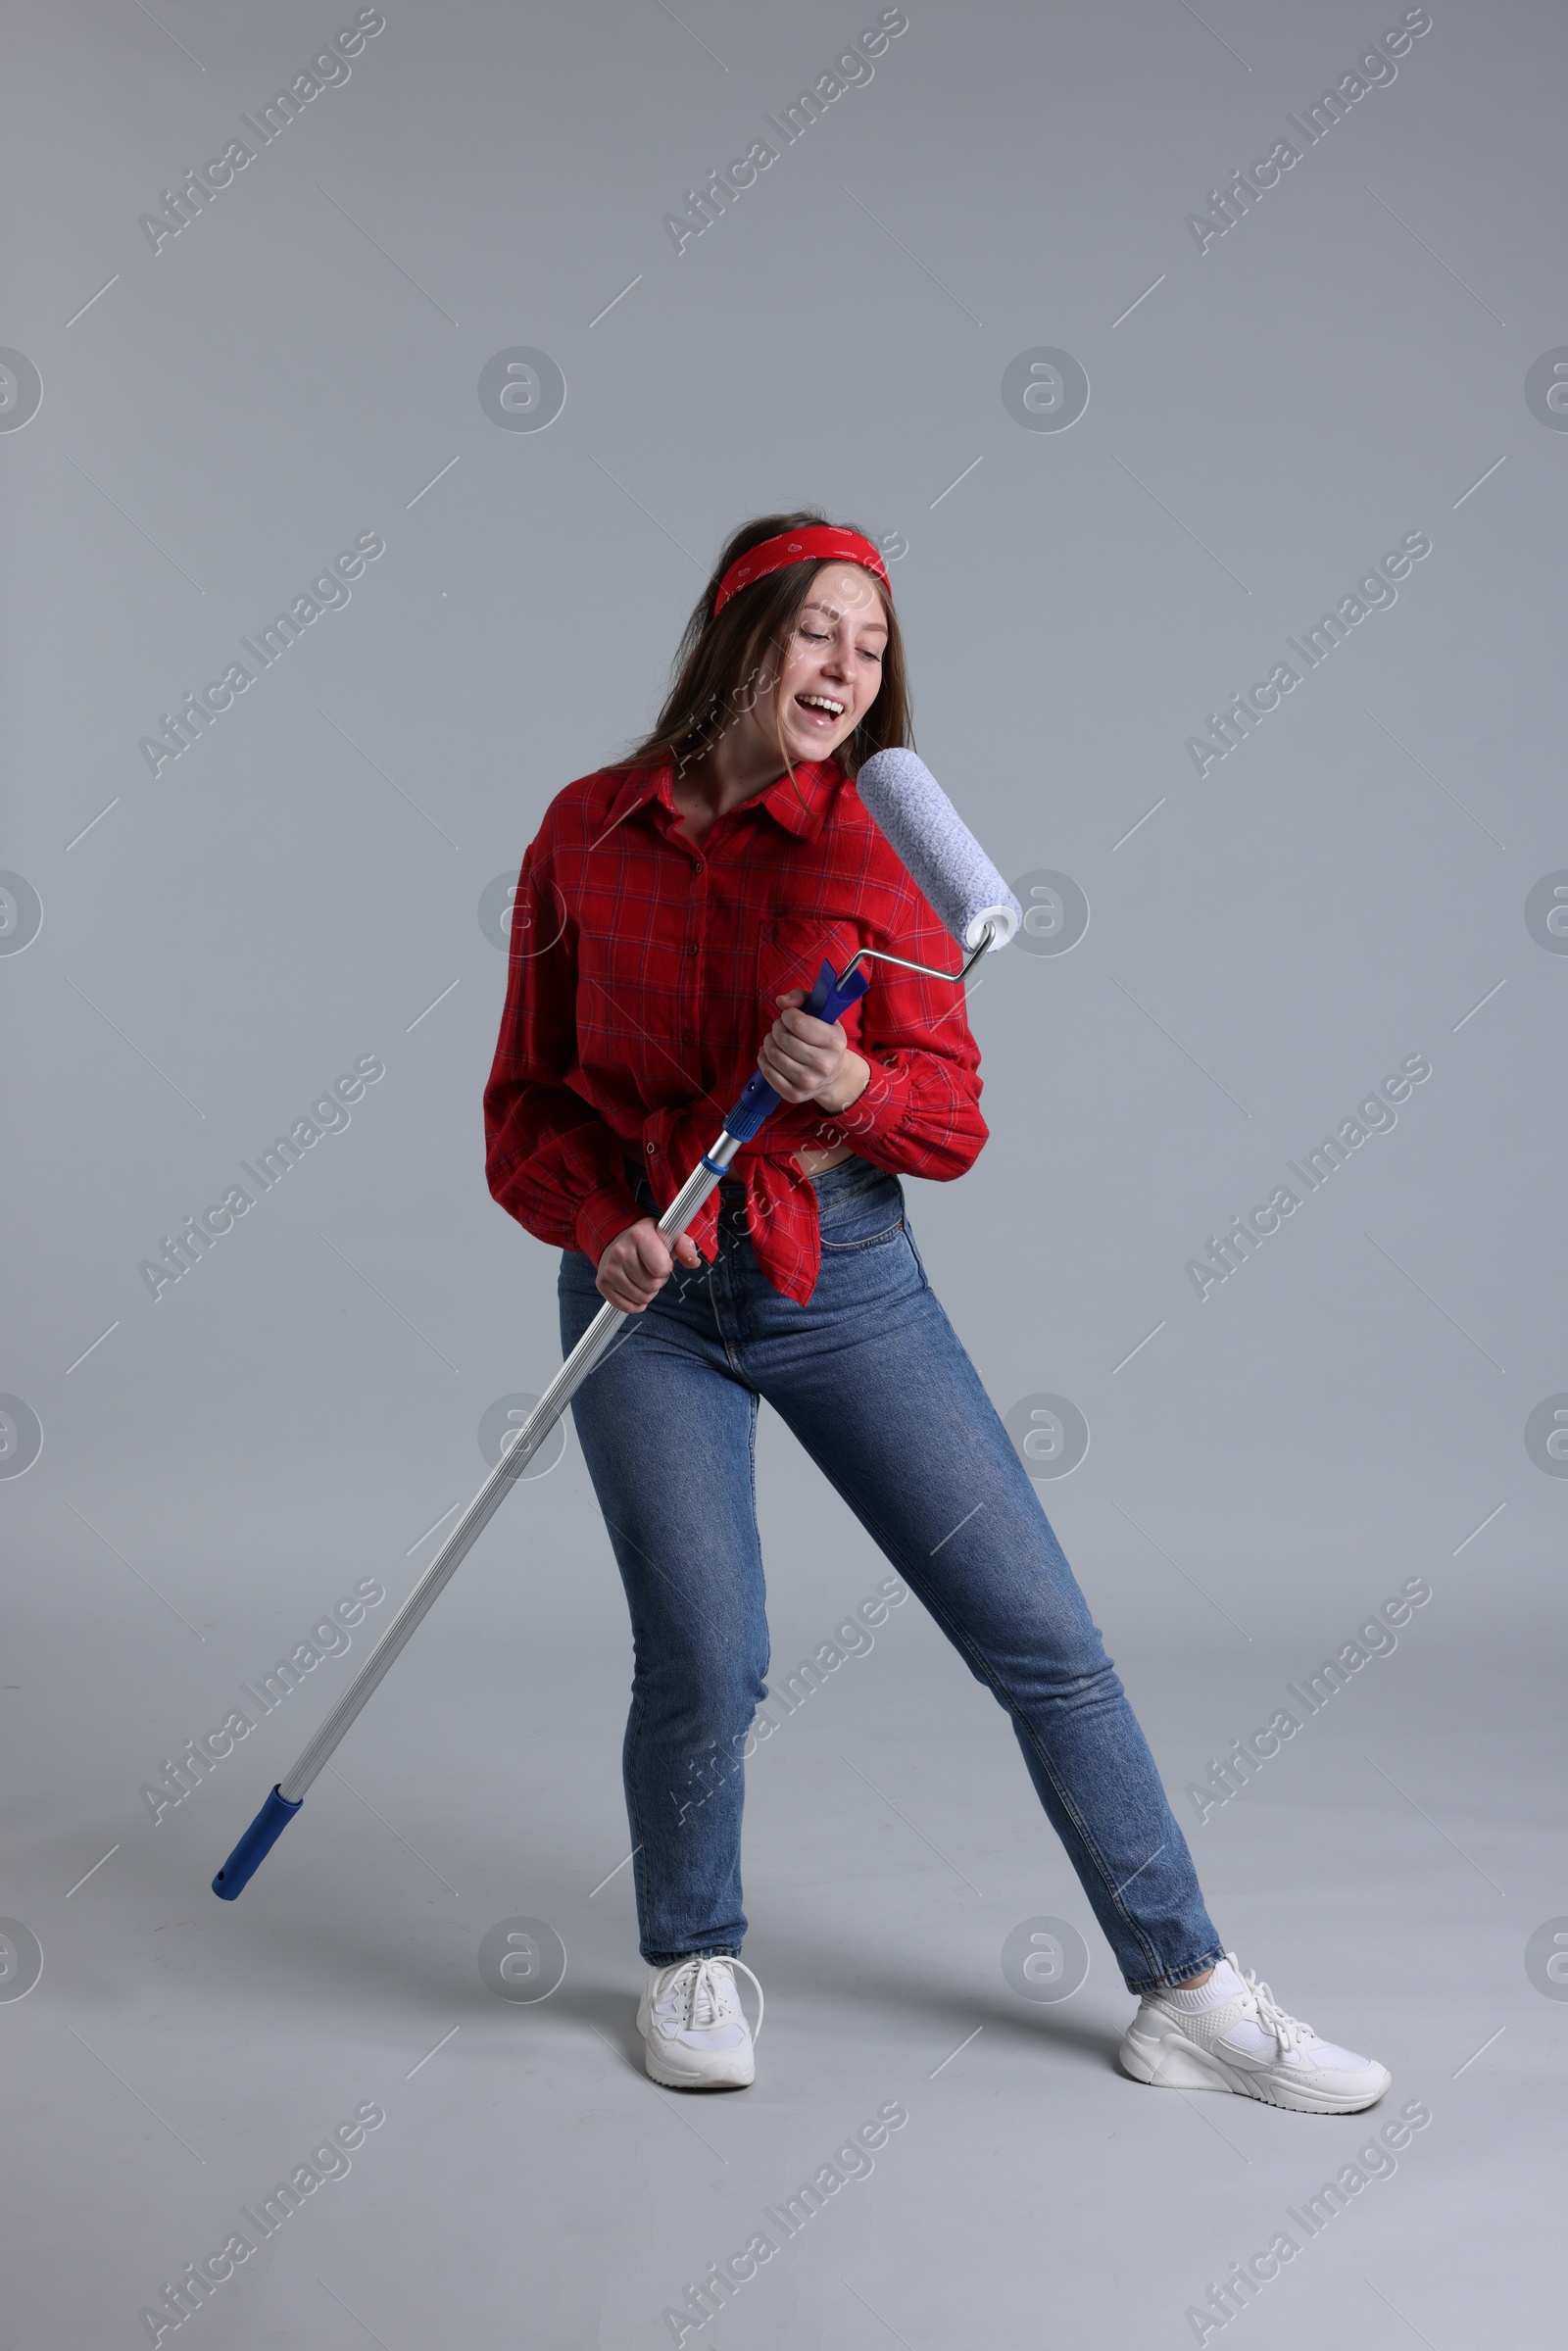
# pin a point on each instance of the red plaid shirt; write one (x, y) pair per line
(641, 983)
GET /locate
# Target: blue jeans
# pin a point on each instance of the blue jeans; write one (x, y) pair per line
(872, 1380)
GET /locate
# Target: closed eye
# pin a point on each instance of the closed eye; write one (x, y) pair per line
(815, 636)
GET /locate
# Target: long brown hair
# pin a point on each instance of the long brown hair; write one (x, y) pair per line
(722, 665)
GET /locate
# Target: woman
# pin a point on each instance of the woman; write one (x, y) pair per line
(669, 920)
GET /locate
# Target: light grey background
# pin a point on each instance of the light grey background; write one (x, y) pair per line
(1346, 365)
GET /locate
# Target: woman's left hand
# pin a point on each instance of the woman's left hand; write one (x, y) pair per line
(808, 1060)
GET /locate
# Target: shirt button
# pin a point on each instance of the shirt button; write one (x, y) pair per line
(692, 947)
(652, 1148)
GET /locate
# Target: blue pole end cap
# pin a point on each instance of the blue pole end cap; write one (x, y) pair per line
(255, 1846)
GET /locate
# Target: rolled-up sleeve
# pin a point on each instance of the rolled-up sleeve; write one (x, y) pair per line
(920, 1112)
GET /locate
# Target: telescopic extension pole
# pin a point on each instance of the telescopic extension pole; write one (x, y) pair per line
(827, 1001)
(831, 995)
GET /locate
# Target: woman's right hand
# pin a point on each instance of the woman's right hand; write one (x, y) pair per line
(637, 1264)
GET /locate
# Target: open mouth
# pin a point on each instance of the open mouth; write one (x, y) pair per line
(821, 710)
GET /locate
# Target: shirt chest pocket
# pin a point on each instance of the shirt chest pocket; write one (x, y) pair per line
(791, 949)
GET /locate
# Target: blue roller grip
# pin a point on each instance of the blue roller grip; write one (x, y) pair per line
(825, 1002)
(254, 1846)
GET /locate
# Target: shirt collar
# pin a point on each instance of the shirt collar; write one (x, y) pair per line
(799, 804)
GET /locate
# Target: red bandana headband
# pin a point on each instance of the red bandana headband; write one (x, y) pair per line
(819, 542)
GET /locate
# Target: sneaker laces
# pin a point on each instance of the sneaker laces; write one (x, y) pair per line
(1290, 2032)
(696, 1983)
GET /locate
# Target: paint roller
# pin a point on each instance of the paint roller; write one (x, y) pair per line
(965, 891)
(975, 905)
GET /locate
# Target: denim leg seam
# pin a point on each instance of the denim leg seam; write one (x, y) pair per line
(767, 1638)
(639, 1858)
(1112, 1891)
(751, 1448)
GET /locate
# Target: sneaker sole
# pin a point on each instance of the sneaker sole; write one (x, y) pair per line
(1169, 2061)
(667, 2078)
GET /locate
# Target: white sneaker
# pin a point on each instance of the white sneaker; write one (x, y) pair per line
(690, 2019)
(1245, 2041)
